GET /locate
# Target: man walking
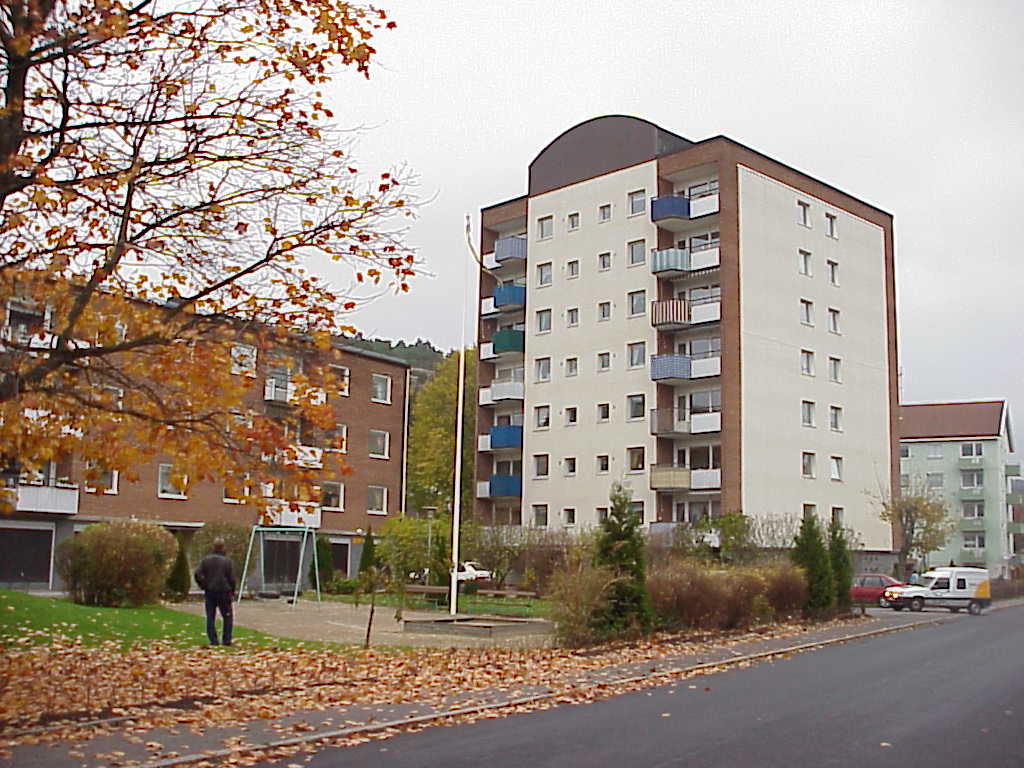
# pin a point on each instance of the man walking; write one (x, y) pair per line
(216, 576)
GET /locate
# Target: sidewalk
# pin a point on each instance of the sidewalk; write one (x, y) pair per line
(184, 734)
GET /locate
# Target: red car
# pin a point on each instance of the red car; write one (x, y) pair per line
(869, 588)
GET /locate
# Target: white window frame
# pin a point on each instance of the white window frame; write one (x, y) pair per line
(539, 509)
(940, 476)
(112, 490)
(572, 221)
(572, 269)
(634, 247)
(807, 413)
(246, 491)
(569, 466)
(805, 262)
(803, 217)
(545, 223)
(341, 496)
(974, 540)
(807, 356)
(831, 226)
(383, 508)
(807, 464)
(631, 400)
(632, 200)
(574, 411)
(602, 356)
(603, 419)
(632, 299)
(835, 468)
(541, 410)
(604, 318)
(543, 321)
(973, 449)
(835, 418)
(602, 210)
(538, 460)
(974, 506)
(344, 379)
(973, 473)
(806, 312)
(636, 450)
(569, 516)
(572, 317)
(387, 444)
(374, 381)
(935, 451)
(607, 463)
(545, 269)
(173, 494)
(835, 369)
(832, 267)
(631, 349)
(572, 366)
(240, 365)
(602, 257)
(833, 320)
(542, 365)
(343, 428)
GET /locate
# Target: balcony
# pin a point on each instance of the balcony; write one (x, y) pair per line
(506, 298)
(971, 462)
(671, 369)
(295, 514)
(1015, 499)
(679, 262)
(674, 212)
(972, 524)
(669, 478)
(976, 493)
(500, 390)
(669, 314)
(1013, 470)
(706, 312)
(508, 342)
(510, 250)
(487, 351)
(309, 456)
(703, 479)
(1015, 527)
(277, 391)
(971, 556)
(52, 499)
(500, 487)
(669, 422)
(500, 437)
(705, 257)
(702, 423)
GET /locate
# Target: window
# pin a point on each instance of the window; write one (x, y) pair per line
(637, 302)
(637, 354)
(709, 401)
(170, 485)
(342, 378)
(700, 349)
(833, 320)
(572, 317)
(703, 457)
(545, 227)
(574, 221)
(969, 450)
(235, 492)
(602, 463)
(602, 513)
(604, 361)
(542, 416)
(603, 411)
(974, 541)
(569, 516)
(810, 510)
(376, 500)
(569, 466)
(807, 464)
(806, 362)
(572, 366)
(106, 481)
(837, 515)
(243, 360)
(604, 311)
(934, 451)
(604, 261)
(635, 406)
(571, 415)
(637, 252)
(381, 388)
(637, 202)
(380, 443)
(835, 418)
(835, 369)
(604, 212)
(332, 496)
(830, 225)
(543, 320)
(805, 263)
(934, 480)
(806, 312)
(807, 413)
(544, 274)
(635, 459)
(973, 509)
(904, 451)
(572, 268)
(542, 369)
(540, 515)
(541, 465)
(636, 509)
(833, 272)
(904, 481)
(835, 464)
(972, 478)
(803, 213)
(336, 440)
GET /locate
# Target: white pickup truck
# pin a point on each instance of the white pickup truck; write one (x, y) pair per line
(472, 571)
(953, 588)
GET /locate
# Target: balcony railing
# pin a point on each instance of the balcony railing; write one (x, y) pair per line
(671, 369)
(510, 249)
(508, 297)
(53, 499)
(674, 212)
(1015, 499)
(1015, 526)
(972, 524)
(508, 341)
(499, 487)
(276, 391)
(506, 436)
(701, 423)
(977, 492)
(970, 555)
(669, 422)
(702, 479)
(676, 262)
(669, 478)
(669, 314)
(294, 514)
(971, 462)
(705, 311)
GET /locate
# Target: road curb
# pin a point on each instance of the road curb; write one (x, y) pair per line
(313, 738)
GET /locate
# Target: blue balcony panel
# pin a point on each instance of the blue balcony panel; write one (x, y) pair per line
(670, 211)
(506, 436)
(507, 248)
(506, 485)
(508, 296)
(671, 369)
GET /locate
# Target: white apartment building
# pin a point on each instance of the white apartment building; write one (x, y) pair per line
(704, 323)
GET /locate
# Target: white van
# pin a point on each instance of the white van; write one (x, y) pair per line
(953, 588)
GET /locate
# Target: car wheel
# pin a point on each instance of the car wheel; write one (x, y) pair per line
(897, 607)
(974, 608)
(917, 604)
(882, 602)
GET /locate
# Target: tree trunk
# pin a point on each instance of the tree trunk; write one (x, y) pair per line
(369, 621)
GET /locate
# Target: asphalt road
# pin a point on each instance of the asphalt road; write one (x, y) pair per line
(946, 695)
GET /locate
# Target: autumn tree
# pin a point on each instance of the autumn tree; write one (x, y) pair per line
(432, 437)
(921, 524)
(172, 182)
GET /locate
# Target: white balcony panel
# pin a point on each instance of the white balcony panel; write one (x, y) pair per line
(483, 443)
(705, 422)
(705, 259)
(707, 366)
(309, 456)
(485, 396)
(507, 390)
(487, 351)
(301, 514)
(278, 392)
(490, 261)
(706, 313)
(483, 489)
(702, 206)
(48, 498)
(705, 478)
(487, 306)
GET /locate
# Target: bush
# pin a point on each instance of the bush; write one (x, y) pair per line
(180, 580)
(684, 594)
(470, 587)
(236, 543)
(325, 561)
(340, 585)
(579, 593)
(811, 554)
(785, 588)
(742, 587)
(842, 565)
(119, 563)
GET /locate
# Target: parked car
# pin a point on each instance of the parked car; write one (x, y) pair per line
(954, 588)
(472, 571)
(870, 588)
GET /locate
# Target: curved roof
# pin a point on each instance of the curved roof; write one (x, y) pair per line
(598, 146)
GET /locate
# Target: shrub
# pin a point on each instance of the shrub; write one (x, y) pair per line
(685, 594)
(368, 557)
(470, 587)
(236, 543)
(785, 588)
(842, 564)
(811, 554)
(620, 548)
(742, 588)
(340, 585)
(118, 563)
(179, 582)
(325, 561)
(579, 593)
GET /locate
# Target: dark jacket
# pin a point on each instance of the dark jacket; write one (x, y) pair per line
(216, 573)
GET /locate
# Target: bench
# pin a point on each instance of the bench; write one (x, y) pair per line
(509, 593)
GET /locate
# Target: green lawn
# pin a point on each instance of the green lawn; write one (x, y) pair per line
(495, 606)
(40, 619)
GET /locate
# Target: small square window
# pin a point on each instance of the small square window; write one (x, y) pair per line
(635, 459)
(540, 515)
(569, 515)
(376, 500)
(805, 263)
(904, 481)
(604, 311)
(807, 413)
(837, 515)
(541, 465)
(380, 444)
(831, 227)
(602, 514)
(803, 213)
(569, 466)
(574, 221)
(171, 485)
(332, 496)
(572, 317)
(544, 274)
(637, 302)
(571, 416)
(604, 411)
(835, 464)
(542, 369)
(806, 362)
(545, 227)
(934, 451)
(381, 388)
(972, 478)
(342, 379)
(835, 418)
(833, 272)
(604, 261)
(973, 509)
(243, 360)
(971, 450)
(904, 451)
(604, 212)
(806, 312)
(603, 463)
(572, 268)
(572, 366)
(637, 353)
(336, 440)
(543, 320)
(934, 480)
(635, 406)
(542, 416)
(835, 369)
(604, 361)
(637, 202)
(810, 510)
(833, 320)
(637, 252)
(807, 464)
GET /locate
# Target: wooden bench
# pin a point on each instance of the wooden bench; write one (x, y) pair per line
(509, 593)
(423, 589)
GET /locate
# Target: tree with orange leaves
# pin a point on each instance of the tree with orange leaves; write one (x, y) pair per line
(169, 184)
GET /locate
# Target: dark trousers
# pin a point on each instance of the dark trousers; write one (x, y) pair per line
(219, 601)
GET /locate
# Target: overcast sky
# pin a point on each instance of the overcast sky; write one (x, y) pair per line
(915, 107)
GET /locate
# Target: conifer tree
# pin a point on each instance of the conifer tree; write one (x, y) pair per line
(368, 558)
(811, 554)
(180, 578)
(842, 564)
(620, 548)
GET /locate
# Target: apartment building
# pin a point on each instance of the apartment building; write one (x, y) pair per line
(369, 398)
(701, 321)
(959, 452)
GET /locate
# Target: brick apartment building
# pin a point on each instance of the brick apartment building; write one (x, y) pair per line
(371, 409)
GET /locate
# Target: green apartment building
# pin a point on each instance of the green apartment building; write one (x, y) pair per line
(959, 451)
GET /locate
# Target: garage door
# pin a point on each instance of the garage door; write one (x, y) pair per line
(25, 556)
(281, 561)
